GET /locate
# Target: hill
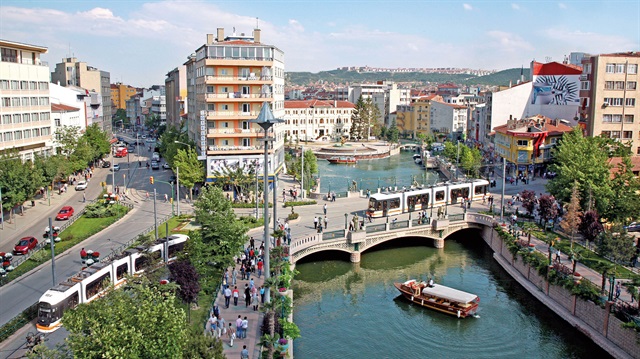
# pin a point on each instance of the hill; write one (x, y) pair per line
(418, 78)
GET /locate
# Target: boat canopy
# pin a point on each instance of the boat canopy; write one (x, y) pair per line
(450, 294)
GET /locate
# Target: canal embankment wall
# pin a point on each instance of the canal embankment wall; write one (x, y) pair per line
(597, 323)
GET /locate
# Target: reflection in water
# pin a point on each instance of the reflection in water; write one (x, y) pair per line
(350, 310)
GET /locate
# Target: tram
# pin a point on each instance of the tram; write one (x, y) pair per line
(92, 282)
(418, 199)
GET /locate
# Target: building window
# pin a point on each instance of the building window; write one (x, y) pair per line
(605, 134)
(585, 85)
(27, 133)
(610, 68)
(632, 69)
(8, 136)
(630, 102)
(17, 118)
(628, 118)
(620, 68)
(246, 142)
(612, 118)
(627, 135)
(6, 119)
(15, 85)
(631, 85)
(523, 156)
(17, 135)
(35, 132)
(9, 55)
(4, 84)
(57, 120)
(613, 101)
(586, 69)
(26, 117)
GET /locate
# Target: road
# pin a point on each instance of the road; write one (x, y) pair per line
(20, 294)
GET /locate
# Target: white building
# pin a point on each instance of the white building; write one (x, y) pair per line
(25, 109)
(159, 108)
(64, 100)
(448, 119)
(384, 94)
(316, 120)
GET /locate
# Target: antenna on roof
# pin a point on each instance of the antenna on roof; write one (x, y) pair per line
(257, 23)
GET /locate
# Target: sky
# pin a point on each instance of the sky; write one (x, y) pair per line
(139, 41)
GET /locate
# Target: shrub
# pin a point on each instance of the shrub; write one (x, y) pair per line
(248, 205)
(293, 216)
(299, 203)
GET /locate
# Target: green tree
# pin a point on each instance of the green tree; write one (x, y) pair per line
(581, 160)
(222, 235)
(571, 219)
(450, 151)
(625, 201)
(590, 226)
(168, 145)
(189, 168)
(470, 160)
(201, 346)
(392, 134)
(139, 321)
(369, 116)
(98, 141)
(616, 244)
(357, 130)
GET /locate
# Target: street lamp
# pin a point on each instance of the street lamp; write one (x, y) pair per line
(178, 179)
(266, 120)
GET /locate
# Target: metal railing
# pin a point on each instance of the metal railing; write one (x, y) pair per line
(372, 228)
(334, 234)
(399, 224)
(456, 217)
(127, 244)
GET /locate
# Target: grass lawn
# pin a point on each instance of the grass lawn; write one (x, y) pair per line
(174, 224)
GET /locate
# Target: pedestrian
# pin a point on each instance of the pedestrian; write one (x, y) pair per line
(231, 333)
(213, 321)
(227, 297)
(244, 354)
(247, 295)
(221, 328)
(245, 327)
(259, 266)
(251, 283)
(315, 222)
(236, 294)
(234, 275)
(325, 221)
(618, 290)
(284, 195)
(252, 243)
(254, 301)
(320, 228)
(147, 195)
(242, 271)
(84, 198)
(324, 208)
(33, 203)
(558, 256)
(166, 198)
(239, 326)
(262, 294)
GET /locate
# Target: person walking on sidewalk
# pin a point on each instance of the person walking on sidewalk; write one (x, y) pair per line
(227, 297)
(245, 327)
(231, 333)
(315, 222)
(221, 328)
(84, 198)
(324, 208)
(247, 295)
(239, 326)
(236, 294)
(244, 354)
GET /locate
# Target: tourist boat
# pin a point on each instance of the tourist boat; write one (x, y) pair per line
(439, 297)
(343, 160)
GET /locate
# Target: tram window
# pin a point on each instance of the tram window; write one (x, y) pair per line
(122, 270)
(464, 192)
(72, 301)
(178, 247)
(96, 286)
(146, 260)
(439, 195)
(394, 203)
(480, 189)
(424, 199)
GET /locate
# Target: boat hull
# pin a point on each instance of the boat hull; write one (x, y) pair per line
(343, 160)
(440, 306)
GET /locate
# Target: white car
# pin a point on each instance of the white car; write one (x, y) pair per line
(81, 186)
(143, 136)
(166, 166)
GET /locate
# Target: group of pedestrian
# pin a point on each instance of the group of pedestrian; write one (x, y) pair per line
(319, 221)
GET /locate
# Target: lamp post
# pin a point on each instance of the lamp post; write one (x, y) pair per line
(178, 179)
(302, 173)
(266, 120)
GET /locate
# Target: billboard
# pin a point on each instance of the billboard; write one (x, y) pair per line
(556, 90)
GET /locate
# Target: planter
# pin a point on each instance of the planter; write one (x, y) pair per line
(532, 247)
(577, 277)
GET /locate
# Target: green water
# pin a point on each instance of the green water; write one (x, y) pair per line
(347, 310)
(398, 170)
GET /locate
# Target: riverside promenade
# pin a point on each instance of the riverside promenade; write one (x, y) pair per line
(303, 227)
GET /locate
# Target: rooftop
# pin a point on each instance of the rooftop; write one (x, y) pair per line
(317, 103)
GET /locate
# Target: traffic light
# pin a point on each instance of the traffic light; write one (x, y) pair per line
(151, 179)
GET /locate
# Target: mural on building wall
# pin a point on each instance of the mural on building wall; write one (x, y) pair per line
(556, 90)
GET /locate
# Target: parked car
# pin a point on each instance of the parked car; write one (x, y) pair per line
(116, 168)
(143, 136)
(633, 227)
(166, 166)
(65, 213)
(81, 186)
(155, 165)
(106, 164)
(25, 245)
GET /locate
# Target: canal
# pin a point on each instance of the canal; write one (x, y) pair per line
(398, 170)
(352, 310)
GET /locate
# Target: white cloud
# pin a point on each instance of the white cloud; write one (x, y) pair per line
(295, 25)
(562, 5)
(507, 42)
(515, 6)
(588, 41)
(467, 7)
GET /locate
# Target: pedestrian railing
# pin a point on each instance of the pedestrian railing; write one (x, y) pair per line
(399, 224)
(456, 217)
(334, 234)
(419, 222)
(372, 228)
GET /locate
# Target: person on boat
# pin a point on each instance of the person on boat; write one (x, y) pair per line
(430, 282)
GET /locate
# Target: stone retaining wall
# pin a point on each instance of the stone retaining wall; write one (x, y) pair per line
(625, 338)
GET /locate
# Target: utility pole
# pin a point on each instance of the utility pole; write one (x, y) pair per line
(53, 253)
(302, 173)
(178, 189)
(504, 181)
(155, 214)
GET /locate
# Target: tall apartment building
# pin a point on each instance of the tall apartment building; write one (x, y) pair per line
(384, 94)
(609, 97)
(25, 108)
(416, 118)
(228, 80)
(120, 93)
(73, 72)
(176, 92)
(317, 120)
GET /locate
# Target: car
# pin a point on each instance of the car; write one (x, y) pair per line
(633, 227)
(155, 165)
(106, 164)
(166, 166)
(81, 186)
(143, 136)
(116, 168)
(65, 213)
(150, 140)
(25, 245)
(172, 179)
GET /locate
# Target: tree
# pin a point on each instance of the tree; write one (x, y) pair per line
(357, 129)
(616, 244)
(16, 181)
(571, 219)
(547, 208)
(139, 321)
(222, 235)
(201, 346)
(590, 226)
(369, 115)
(190, 169)
(98, 141)
(184, 274)
(528, 199)
(625, 202)
(582, 160)
(604, 268)
(392, 134)
(470, 160)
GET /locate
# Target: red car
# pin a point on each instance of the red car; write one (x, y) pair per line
(25, 245)
(65, 213)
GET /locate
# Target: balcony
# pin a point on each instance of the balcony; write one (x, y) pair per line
(219, 97)
(233, 132)
(584, 77)
(214, 115)
(259, 79)
(238, 150)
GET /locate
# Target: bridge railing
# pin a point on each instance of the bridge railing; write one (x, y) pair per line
(342, 233)
(456, 217)
(399, 224)
(372, 228)
(419, 222)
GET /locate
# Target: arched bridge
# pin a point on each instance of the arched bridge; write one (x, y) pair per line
(356, 242)
(409, 146)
